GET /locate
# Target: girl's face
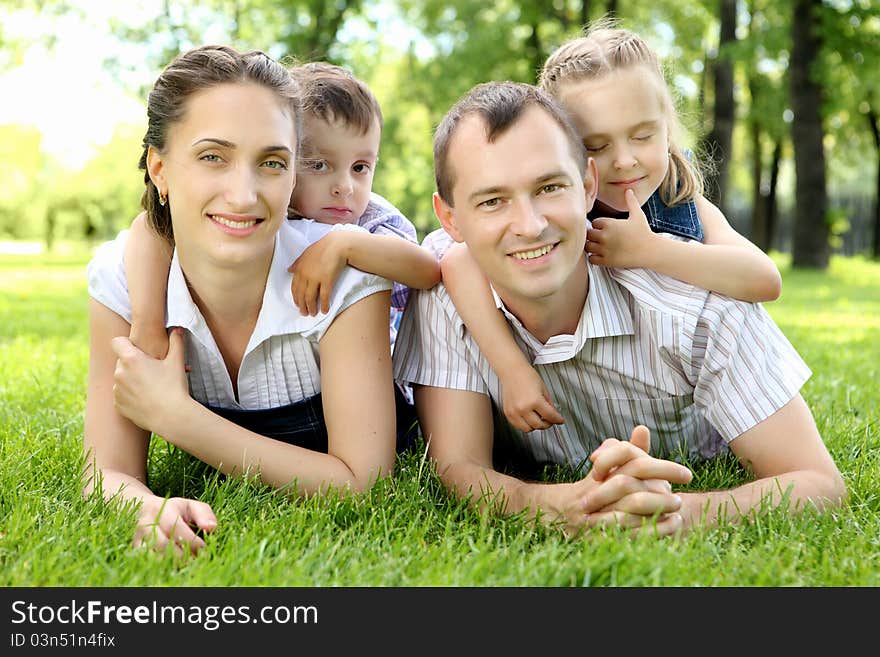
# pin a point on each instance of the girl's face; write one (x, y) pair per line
(623, 125)
(228, 180)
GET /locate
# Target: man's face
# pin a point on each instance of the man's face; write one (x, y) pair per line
(519, 203)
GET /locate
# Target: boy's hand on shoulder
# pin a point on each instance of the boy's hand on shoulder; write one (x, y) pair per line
(622, 242)
(526, 402)
(152, 340)
(316, 270)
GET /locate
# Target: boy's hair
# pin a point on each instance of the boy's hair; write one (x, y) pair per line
(604, 49)
(331, 93)
(500, 105)
(192, 71)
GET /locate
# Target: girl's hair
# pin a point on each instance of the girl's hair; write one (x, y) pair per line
(604, 49)
(192, 71)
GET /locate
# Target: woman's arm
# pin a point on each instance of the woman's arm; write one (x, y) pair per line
(147, 258)
(116, 450)
(727, 263)
(358, 402)
(525, 399)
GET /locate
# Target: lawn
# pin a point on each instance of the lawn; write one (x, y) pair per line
(407, 531)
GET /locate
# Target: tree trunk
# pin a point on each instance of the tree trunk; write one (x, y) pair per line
(771, 210)
(810, 246)
(719, 141)
(759, 231)
(875, 131)
(585, 12)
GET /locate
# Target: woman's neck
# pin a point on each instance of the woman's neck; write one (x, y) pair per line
(230, 299)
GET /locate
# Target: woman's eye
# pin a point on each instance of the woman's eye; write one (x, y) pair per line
(547, 189)
(276, 164)
(210, 157)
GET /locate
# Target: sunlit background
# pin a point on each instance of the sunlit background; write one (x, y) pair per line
(74, 75)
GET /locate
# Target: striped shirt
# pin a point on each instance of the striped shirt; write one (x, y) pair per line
(697, 368)
(281, 362)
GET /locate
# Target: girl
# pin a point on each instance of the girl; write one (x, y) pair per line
(611, 85)
(302, 403)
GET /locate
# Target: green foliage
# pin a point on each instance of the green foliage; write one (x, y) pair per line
(407, 531)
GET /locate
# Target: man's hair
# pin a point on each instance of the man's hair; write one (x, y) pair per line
(331, 93)
(204, 68)
(500, 105)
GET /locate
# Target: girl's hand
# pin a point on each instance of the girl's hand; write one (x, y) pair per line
(315, 272)
(163, 522)
(146, 389)
(526, 402)
(622, 242)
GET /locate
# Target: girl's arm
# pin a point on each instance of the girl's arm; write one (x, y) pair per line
(116, 450)
(727, 263)
(357, 393)
(525, 399)
(147, 259)
(394, 258)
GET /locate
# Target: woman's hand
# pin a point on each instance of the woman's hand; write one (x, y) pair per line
(147, 389)
(174, 521)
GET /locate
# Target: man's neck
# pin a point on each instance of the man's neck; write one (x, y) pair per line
(557, 314)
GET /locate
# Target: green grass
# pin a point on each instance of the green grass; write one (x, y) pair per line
(407, 531)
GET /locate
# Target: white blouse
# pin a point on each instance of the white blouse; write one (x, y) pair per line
(281, 362)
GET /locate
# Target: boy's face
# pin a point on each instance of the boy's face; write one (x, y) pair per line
(520, 204)
(335, 172)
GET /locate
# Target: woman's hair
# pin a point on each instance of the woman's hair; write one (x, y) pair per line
(604, 49)
(192, 71)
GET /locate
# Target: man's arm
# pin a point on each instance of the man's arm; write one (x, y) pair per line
(791, 463)
(458, 426)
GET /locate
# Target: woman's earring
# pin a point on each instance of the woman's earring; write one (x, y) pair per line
(163, 198)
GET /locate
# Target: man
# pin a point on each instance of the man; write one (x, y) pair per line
(616, 348)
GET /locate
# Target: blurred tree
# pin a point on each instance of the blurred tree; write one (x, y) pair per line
(717, 144)
(810, 246)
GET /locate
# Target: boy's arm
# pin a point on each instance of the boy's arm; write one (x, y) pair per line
(525, 399)
(727, 263)
(394, 258)
(147, 259)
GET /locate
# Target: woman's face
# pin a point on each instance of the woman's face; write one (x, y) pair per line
(228, 170)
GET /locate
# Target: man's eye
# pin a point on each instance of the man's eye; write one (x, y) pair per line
(491, 203)
(547, 189)
(276, 164)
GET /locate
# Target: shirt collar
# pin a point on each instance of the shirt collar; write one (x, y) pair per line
(278, 314)
(605, 314)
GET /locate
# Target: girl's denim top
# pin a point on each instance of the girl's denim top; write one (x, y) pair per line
(680, 219)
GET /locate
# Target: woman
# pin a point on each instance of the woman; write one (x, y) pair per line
(303, 403)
